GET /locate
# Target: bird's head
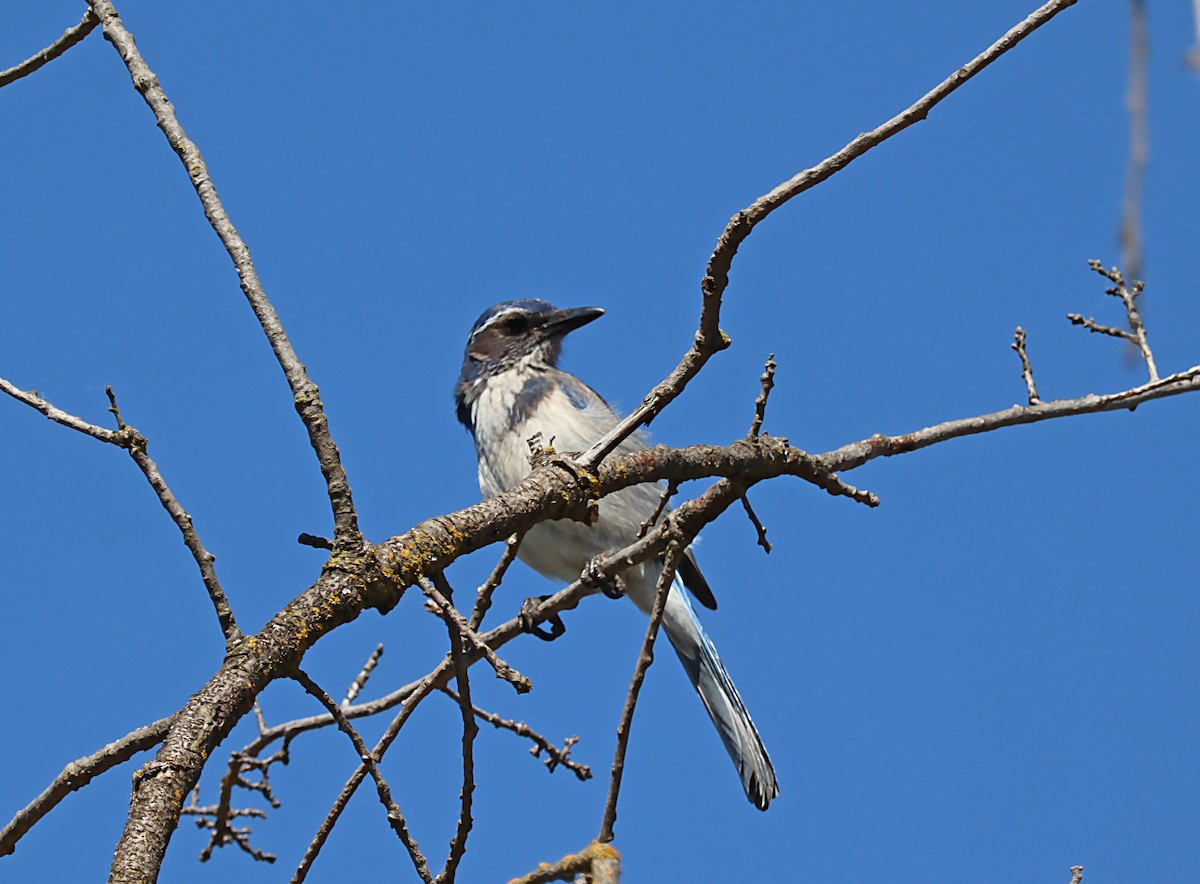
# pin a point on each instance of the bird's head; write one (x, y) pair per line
(515, 335)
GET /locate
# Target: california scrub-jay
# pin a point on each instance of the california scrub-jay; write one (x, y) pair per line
(510, 390)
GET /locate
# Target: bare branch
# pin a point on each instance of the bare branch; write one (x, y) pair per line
(709, 337)
(360, 680)
(1018, 344)
(1091, 325)
(78, 774)
(419, 690)
(217, 819)
(598, 862)
(758, 526)
(395, 817)
(554, 755)
(1076, 874)
(446, 609)
(760, 402)
(306, 539)
(483, 599)
(1128, 294)
(856, 454)
(306, 396)
(670, 491)
(34, 401)
(70, 37)
(675, 551)
(458, 648)
(136, 444)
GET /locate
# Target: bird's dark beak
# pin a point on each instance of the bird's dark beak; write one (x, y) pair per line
(560, 322)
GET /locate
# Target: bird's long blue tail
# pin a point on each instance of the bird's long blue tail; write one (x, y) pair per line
(716, 689)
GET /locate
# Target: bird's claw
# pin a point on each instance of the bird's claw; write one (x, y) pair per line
(532, 625)
(612, 588)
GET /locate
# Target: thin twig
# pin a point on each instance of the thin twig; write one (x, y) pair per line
(758, 526)
(520, 683)
(675, 551)
(305, 395)
(483, 598)
(217, 819)
(259, 719)
(78, 774)
(1128, 293)
(458, 649)
(70, 37)
(760, 402)
(1018, 344)
(856, 454)
(670, 491)
(419, 691)
(554, 755)
(360, 680)
(395, 817)
(599, 863)
(710, 339)
(36, 402)
(136, 444)
(306, 539)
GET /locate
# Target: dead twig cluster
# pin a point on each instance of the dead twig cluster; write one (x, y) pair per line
(1128, 294)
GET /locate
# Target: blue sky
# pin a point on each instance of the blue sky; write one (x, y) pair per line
(993, 674)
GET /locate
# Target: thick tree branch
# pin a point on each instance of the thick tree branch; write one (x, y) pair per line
(70, 37)
(305, 395)
(598, 862)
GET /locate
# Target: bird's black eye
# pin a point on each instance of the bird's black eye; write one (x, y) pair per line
(516, 325)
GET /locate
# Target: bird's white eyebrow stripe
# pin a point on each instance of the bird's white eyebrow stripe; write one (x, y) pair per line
(500, 317)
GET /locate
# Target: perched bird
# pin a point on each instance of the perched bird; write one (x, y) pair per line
(511, 389)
